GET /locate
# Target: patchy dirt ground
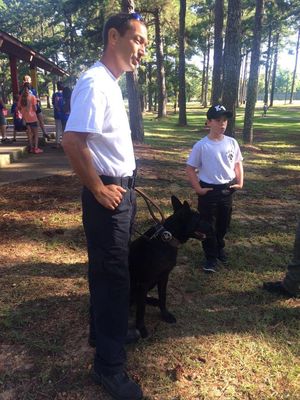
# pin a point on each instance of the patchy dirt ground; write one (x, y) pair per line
(232, 341)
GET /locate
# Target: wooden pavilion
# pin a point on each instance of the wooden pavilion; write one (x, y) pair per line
(16, 50)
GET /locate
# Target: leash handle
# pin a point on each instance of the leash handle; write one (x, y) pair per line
(150, 203)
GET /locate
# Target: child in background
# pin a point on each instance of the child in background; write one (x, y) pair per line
(27, 105)
(19, 123)
(3, 123)
(215, 171)
(40, 117)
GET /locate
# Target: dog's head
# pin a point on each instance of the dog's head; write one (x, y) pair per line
(186, 223)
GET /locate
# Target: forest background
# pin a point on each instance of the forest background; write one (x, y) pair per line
(236, 41)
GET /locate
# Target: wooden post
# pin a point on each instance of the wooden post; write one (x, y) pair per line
(33, 74)
(14, 75)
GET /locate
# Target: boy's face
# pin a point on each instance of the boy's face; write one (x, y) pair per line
(217, 126)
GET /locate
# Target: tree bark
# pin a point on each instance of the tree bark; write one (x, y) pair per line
(161, 81)
(135, 110)
(149, 86)
(253, 76)
(218, 52)
(205, 102)
(276, 45)
(267, 68)
(203, 78)
(232, 61)
(134, 103)
(295, 69)
(181, 67)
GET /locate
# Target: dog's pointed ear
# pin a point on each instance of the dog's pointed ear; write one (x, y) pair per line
(176, 203)
(186, 206)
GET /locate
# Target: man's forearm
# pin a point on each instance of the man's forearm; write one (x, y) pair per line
(80, 159)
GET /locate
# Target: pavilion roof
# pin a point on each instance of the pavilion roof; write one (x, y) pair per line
(14, 47)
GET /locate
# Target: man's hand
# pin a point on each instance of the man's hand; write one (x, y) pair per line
(110, 196)
(203, 191)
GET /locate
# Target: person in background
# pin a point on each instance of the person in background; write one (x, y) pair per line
(57, 102)
(290, 285)
(65, 106)
(19, 123)
(265, 109)
(97, 141)
(27, 81)
(215, 171)
(3, 123)
(27, 106)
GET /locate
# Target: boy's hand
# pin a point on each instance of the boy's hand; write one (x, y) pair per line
(236, 186)
(203, 191)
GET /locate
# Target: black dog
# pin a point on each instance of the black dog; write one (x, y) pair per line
(153, 256)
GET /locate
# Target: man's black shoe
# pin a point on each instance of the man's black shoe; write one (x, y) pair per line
(210, 266)
(222, 256)
(276, 288)
(133, 336)
(119, 386)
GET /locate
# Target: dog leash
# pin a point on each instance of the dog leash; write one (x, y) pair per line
(159, 231)
(150, 203)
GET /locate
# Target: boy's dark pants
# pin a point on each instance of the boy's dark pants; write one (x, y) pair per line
(108, 234)
(215, 207)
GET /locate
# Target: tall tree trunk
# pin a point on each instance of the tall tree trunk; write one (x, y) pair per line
(276, 46)
(253, 76)
(203, 78)
(135, 110)
(161, 81)
(205, 102)
(267, 68)
(181, 67)
(295, 69)
(149, 86)
(218, 51)
(243, 78)
(232, 61)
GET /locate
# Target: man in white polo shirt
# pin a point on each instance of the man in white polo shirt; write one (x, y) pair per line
(98, 143)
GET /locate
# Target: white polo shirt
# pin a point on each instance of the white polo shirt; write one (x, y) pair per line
(215, 160)
(97, 108)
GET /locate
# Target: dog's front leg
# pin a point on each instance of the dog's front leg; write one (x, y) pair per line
(140, 311)
(162, 296)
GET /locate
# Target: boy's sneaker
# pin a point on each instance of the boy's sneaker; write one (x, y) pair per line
(36, 150)
(222, 256)
(210, 266)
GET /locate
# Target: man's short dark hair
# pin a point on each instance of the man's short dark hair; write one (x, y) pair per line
(121, 22)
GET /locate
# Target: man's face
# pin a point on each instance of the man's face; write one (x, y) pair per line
(218, 126)
(27, 79)
(130, 48)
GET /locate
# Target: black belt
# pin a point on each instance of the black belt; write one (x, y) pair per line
(215, 186)
(126, 182)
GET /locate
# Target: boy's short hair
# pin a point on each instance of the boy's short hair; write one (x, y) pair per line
(121, 22)
(216, 111)
(59, 85)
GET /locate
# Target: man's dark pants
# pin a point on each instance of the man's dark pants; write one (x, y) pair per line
(108, 234)
(215, 207)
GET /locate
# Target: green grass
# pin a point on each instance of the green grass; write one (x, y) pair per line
(232, 340)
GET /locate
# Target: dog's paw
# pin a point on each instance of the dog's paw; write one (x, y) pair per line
(143, 332)
(168, 317)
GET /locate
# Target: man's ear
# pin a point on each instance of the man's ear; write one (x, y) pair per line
(113, 36)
